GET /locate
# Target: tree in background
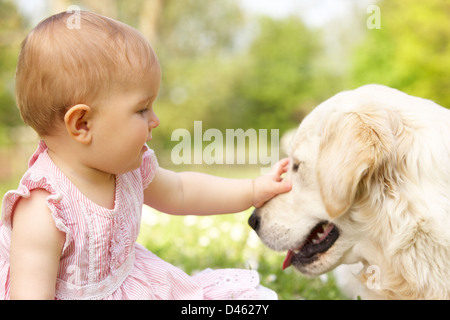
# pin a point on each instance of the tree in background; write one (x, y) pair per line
(410, 52)
(196, 46)
(271, 82)
(233, 72)
(12, 31)
(278, 76)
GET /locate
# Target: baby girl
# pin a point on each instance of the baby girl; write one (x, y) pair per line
(69, 231)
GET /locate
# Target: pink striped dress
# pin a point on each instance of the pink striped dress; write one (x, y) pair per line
(100, 258)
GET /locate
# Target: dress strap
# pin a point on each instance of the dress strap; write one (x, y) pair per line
(40, 149)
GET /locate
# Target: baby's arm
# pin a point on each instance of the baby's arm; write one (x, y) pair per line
(36, 246)
(201, 194)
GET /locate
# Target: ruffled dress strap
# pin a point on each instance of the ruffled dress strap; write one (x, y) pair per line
(42, 147)
(38, 176)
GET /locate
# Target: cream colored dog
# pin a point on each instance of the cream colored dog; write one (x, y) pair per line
(370, 170)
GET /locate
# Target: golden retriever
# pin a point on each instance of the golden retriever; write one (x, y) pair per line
(370, 172)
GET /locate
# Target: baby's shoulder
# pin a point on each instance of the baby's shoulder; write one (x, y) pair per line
(33, 207)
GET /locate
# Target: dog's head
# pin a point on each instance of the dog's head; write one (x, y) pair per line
(341, 160)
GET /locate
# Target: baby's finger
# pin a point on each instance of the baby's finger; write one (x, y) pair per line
(285, 165)
(281, 167)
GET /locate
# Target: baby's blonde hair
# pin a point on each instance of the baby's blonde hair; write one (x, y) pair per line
(62, 64)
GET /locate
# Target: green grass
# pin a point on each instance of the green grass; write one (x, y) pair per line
(196, 243)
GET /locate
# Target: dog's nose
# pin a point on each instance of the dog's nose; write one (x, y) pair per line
(254, 220)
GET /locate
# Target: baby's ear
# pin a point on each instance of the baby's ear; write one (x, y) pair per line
(77, 123)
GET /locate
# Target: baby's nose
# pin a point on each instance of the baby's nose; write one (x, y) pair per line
(153, 121)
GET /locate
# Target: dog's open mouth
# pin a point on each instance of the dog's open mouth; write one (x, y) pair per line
(321, 238)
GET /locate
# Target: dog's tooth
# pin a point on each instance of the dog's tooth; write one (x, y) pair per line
(324, 227)
(315, 241)
(319, 235)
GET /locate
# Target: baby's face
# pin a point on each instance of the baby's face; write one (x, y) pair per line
(124, 122)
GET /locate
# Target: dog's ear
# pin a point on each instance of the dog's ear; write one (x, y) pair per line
(353, 145)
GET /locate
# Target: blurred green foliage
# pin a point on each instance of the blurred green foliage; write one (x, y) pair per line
(12, 26)
(410, 52)
(232, 70)
(278, 76)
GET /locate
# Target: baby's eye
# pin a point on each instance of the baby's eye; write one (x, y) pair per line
(142, 111)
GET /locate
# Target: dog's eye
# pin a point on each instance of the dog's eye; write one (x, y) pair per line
(296, 165)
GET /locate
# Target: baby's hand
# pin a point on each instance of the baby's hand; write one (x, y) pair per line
(269, 185)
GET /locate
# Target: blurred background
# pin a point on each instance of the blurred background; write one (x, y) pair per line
(232, 64)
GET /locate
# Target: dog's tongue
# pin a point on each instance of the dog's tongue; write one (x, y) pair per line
(288, 260)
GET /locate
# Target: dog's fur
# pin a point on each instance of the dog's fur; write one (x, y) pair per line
(375, 162)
